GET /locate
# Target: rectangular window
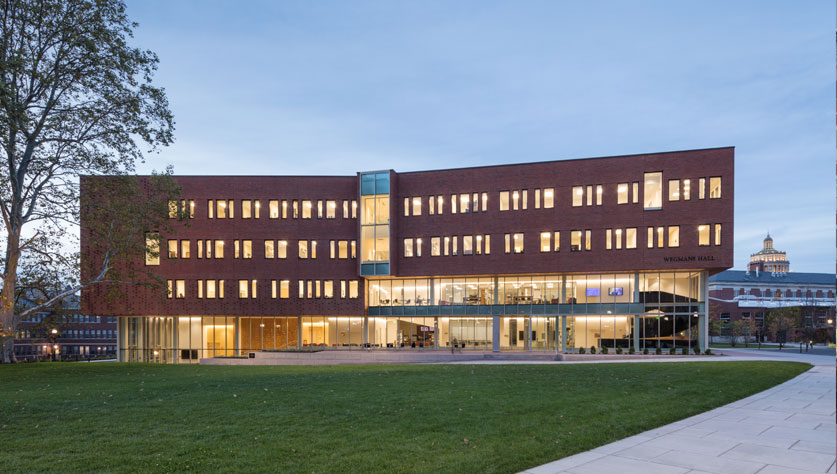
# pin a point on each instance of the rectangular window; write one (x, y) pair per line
(285, 289)
(464, 203)
(478, 246)
(575, 241)
(578, 196)
(408, 247)
(653, 191)
(354, 246)
(440, 204)
(703, 235)
(674, 190)
(545, 243)
(303, 249)
(661, 234)
(588, 240)
(599, 193)
(484, 202)
(310, 293)
(210, 289)
(674, 236)
(332, 251)
(549, 198)
(475, 202)
(406, 207)
(313, 249)
(319, 209)
(417, 206)
(273, 289)
(173, 209)
(210, 209)
(525, 199)
(454, 250)
(435, 246)
(343, 249)
(453, 203)
(331, 209)
(243, 289)
(200, 289)
(518, 243)
(702, 188)
(504, 200)
(556, 241)
(630, 238)
(221, 289)
(589, 192)
(152, 248)
(715, 188)
(650, 237)
(269, 249)
(236, 249)
(622, 193)
(273, 209)
(345, 209)
(172, 248)
(301, 287)
(219, 249)
(170, 289)
(185, 249)
(487, 244)
(253, 287)
(608, 239)
(431, 205)
(247, 248)
(284, 209)
(447, 246)
(687, 192)
(515, 200)
(328, 289)
(537, 198)
(418, 247)
(618, 235)
(282, 249)
(354, 209)
(508, 243)
(180, 289)
(221, 209)
(307, 207)
(200, 248)
(343, 289)
(635, 192)
(295, 205)
(246, 208)
(717, 234)
(353, 289)
(467, 245)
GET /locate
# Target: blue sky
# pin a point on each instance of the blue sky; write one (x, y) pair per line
(337, 87)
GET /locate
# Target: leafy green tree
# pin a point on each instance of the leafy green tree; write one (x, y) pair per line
(75, 99)
(781, 320)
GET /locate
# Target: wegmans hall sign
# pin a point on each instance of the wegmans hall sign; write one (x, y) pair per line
(690, 258)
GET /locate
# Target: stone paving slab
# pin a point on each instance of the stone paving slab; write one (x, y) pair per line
(787, 429)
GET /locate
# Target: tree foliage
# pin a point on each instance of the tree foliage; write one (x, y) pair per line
(76, 98)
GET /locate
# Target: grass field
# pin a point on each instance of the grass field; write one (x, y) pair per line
(83, 417)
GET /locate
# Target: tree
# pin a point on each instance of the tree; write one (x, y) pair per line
(747, 328)
(75, 99)
(781, 320)
(714, 329)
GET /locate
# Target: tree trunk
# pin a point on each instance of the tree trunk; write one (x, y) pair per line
(7, 300)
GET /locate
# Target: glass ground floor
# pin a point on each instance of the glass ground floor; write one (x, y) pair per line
(186, 339)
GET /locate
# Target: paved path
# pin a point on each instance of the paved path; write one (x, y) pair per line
(789, 428)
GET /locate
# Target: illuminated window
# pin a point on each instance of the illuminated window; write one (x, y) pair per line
(342, 288)
(172, 209)
(715, 188)
(674, 190)
(310, 293)
(169, 289)
(284, 289)
(273, 209)
(630, 238)
(343, 249)
(518, 243)
(447, 245)
(545, 243)
(515, 200)
(208, 246)
(556, 242)
(467, 245)
(243, 288)
(246, 208)
(269, 249)
(650, 237)
(273, 291)
(295, 205)
(247, 248)
(687, 192)
(345, 209)
(703, 235)
(653, 190)
(453, 203)
(253, 286)
(537, 198)
(210, 211)
(301, 286)
(504, 200)
(588, 240)
(487, 244)
(416, 206)
(406, 207)
(608, 239)
(475, 202)
(674, 236)
(548, 198)
(307, 207)
(303, 249)
(435, 246)
(478, 246)
(431, 205)
(717, 234)
(622, 193)
(185, 249)
(172, 244)
(282, 249)
(408, 247)
(219, 249)
(200, 248)
(200, 289)
(440, 204)
(464, 203)
(313, 249)
(418, 247)
(484, 202)
(575, 241)
(635, 192)
(354, 209)
(284, 209)
(589, 192)
(702, 188)
(578, 196)
(180, 289)
(454, 250)
(661, 234)
(328, 289)
(236, 249)
(353, 289)
(524, 199)
(618, 234)
(319, 209)
(599, 193)
(331, 209)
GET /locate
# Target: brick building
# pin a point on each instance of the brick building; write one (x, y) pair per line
(559, 255)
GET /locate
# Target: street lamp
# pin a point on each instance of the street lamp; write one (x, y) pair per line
(55, 352)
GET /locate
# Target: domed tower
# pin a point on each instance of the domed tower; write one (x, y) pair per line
(769, 259)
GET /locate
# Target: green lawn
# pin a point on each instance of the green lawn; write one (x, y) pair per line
(399, 418)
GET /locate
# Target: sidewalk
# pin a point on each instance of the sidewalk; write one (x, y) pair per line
(789, 428)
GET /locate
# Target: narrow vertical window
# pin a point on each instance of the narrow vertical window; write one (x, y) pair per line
(715, 188)
(332, 251)
(319, 209)
(345, 209)
(650, 237)
(269, 247)
(467, 245)
(608, 239)
(331, 209)
(599, 193)
(435, 246)
(180, 289)
(273, 209)
(418, 247)
(246, 208)
(208, 248)
(702, 188)
(282, 249)
(518, 243)
(674, 236)
(504, 200)
(630, 238)
(343, 289)
(307, 208)
(653, 192)
(478, 246)
(475, 202)
(152, 248)
(313, 249)
(575, 241)
(210, 289)
(556, 241)
(431, 205)
(310, 293)
(549, 198)
(661, 234)
(303, 249)
(243, 287)
(236, 249)
(295, 210)
(508, 243)
(487, 244)
(408, 248)
(674, 190)
(273, 289)
(578, 196)
(353, 287)
(200, 248)
(440, 204)
(484, 202)
(524, 199)
(545, 244)
(717, 234)
(200, 289)
(172, 246)
(453, 203)
(454, 250)
(417, 206)
(256, 208)
(219, 249)
(687, 192)
(170, 289)
(247, 248)
(588, 240)
(406, 207)
(589, 192)
(354, 209)
(210, 209)
(231, 209)
(284, 209)
(447, 246)
(343, 249)
(284, 289)
(185, 249)
(301, 287)
(515, 200)
(618, 236)
(253, 287)
(703, 235)
(354, 247)
(622, 193)
(635, 193)
(537, 198)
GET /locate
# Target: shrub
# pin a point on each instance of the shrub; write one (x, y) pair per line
(672, 350)
(631, 351)
(697, 350)
(708, 352)
(645, 351)
(581, 350)
(592, 349)
(684, 351)
(618, 350)
(658, 351)
(604, 350)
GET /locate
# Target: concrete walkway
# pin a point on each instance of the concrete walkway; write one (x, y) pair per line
(789, 428)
